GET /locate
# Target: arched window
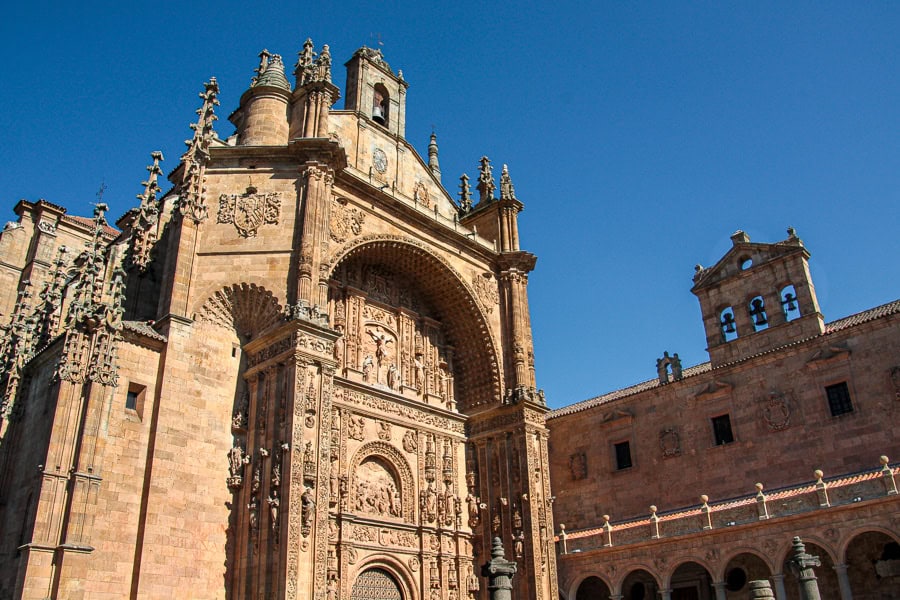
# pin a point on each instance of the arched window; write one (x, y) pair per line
(789, 303)
(381, 104)
(757, 310)
(726, 322)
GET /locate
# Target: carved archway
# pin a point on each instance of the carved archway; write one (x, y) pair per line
(246, 308)
(392, 459)
(477, 366)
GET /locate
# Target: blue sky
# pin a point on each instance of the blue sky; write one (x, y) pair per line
(639, 136)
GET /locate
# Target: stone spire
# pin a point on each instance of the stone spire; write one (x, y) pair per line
(143, 234)
(433, 157)
(486, 185)
(94, 319)
(51, 298)
(192, 192)
(507, 191)
(465, 194)
(17, 348)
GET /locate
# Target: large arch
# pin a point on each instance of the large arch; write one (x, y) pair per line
(872, 563)
(591, 587)
(394, 458)
(477, 363)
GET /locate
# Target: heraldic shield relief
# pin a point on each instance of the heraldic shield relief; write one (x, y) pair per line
(250, 210)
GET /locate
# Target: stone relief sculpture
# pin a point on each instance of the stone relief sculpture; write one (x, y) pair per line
(237, 460)
(377, 489)
(776, 410)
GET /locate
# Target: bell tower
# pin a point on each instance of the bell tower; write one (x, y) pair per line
(374, 92)
(756, 298)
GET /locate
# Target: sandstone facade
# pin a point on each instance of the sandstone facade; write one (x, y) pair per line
(298, 373)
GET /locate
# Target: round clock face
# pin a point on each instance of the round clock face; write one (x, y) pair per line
(379, 159)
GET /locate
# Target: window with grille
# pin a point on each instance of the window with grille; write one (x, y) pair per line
(839, 399)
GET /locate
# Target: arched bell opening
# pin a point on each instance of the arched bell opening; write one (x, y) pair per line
(411, 326)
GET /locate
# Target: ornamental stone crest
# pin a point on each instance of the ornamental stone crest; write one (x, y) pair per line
(486, 290)
(776, 411)
(578, 465)
(249, 211)
(344, 221)
(669, 442)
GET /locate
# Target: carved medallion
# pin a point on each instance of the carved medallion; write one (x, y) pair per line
(249, 211)
(420, 195)
(776, 411)
(344, 221)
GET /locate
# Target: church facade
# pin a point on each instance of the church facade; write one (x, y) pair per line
(303, 371)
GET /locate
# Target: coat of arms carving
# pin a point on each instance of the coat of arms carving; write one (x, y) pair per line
(344, 221)
(776, 410)
(249, 211)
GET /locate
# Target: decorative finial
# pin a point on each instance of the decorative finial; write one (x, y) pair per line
(192, 195)
(433, 155)
(507, 191)
(465, 194)
(486, 185)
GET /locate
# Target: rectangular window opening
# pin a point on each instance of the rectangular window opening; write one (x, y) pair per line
(623, 455)
(839, 402)
(722, 430)
(134, 399)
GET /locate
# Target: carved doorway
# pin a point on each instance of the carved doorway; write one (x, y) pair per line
(376, 584)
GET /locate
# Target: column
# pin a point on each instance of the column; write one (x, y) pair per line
(843, 582)
(780, 592)
(719, 586)
(665, 594)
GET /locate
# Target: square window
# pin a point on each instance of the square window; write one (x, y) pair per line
(839, 399)
(134, 399)
(722, 430)
(623, 455)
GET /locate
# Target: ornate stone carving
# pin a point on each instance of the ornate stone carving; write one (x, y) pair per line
(384, 431)
(578, 465)
(486, 185)
(237, 460)
(485, 287)
(249, 211)
(410, 441)
(407, 412)
(344, 221)
(308, 508)
(356, 428)
(382, 481)
(776, 410)
(669, 442)
(244, 307)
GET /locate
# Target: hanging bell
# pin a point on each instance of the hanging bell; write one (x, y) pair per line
(378, 114)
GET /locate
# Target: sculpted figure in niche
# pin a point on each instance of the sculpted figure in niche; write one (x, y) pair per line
(474, 513)
(367, 366)
(393, 377)
(274, 503)
(381, 340)
(308, 506)
(339, 346)
(420, 374)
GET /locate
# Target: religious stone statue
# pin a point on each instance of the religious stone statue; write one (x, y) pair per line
(308, 507)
